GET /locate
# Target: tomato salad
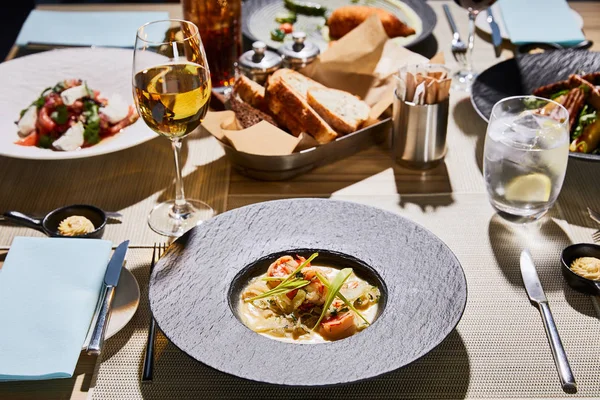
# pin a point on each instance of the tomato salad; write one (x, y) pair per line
(70, 116)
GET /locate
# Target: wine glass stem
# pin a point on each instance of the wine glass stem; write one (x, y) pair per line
(472, 16)
(180, 204)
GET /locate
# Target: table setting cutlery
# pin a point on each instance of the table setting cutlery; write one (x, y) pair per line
(111, 280)
(459, 48)
(496, 36)
(538, 298)
(148, 368)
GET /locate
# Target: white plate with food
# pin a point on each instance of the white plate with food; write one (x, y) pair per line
(482, 24)
(71, 103)
(273, 21)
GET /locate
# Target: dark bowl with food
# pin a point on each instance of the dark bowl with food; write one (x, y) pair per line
(577, 282)
(49, 224)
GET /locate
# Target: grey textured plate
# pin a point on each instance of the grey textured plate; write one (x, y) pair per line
(523, 74)
(424, 286)
(259, 19)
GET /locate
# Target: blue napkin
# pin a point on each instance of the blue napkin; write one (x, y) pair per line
(111, 28)
(49, 289)
(540, 21)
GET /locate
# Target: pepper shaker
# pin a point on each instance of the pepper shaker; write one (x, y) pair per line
(299, 53)
(258, 63)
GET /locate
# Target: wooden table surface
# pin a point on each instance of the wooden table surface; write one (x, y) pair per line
(323, 182)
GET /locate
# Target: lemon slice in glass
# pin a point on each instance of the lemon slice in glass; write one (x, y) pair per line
(529, 188)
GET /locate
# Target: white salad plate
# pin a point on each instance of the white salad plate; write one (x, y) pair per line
(23, 79)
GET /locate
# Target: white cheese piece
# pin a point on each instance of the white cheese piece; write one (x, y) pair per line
(116, 109)
(72, 139)
(73, 94)
(27, 123)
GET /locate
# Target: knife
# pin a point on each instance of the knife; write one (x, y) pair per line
(111, 279)
(536, 295)
(496, 37)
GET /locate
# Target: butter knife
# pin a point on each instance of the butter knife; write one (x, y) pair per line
(496, 37)
(538, 297)
(111, 280)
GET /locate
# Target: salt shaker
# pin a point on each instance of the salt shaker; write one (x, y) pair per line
(299, 53)
(258, 63)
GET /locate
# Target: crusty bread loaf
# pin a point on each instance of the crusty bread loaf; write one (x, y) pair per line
(344, 19)
(248, 115)
(343, 111)
(286, 98)
(251, 92)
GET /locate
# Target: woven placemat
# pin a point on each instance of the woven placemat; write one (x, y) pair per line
(498, 350)
(132, 182)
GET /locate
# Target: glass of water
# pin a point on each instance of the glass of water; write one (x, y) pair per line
(525, 157)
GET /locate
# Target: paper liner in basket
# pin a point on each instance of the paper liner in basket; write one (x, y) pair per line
(363, 63)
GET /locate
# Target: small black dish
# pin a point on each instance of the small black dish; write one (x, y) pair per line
(49, 223)
(577, 282)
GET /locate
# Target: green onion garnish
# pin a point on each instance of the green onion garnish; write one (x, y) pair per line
(325, 282)
(288, 284)
(334, 289)
(281, 289)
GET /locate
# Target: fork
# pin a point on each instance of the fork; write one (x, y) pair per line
(595, 215)
(147, 371)
(459, 48)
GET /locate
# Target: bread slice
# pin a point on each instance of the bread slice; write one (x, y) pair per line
(343, 111)
(295, 80)
(286, 99)
(285, 118)
(250, 92)
(248, 115)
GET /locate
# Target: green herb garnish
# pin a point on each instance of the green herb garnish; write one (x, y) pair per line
(45, 141)
(39, 102)
(282, 288)
(91, 132)
(325, 282)
(333, 291)
(59, 87)
(558, 94)
(587, 117)
(288, 284)
(277, 35)
(60, 115)
(302, 265)
(531, 103)
(284, 17)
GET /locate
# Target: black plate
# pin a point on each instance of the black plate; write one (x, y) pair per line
(259, 19)
(424, 290)
(523, 74)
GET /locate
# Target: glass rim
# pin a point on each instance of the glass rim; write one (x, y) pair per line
(523, 96)
(170, 20)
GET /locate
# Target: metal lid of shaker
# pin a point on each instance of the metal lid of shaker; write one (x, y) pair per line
(300, 50)
(259, 59)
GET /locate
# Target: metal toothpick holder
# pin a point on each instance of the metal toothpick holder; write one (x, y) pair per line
(419, 133)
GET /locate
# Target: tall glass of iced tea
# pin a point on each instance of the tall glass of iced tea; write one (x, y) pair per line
(220, 25)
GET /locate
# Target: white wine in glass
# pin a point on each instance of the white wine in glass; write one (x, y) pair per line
(172, 87)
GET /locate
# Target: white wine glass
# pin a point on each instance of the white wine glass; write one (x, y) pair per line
(171, 85)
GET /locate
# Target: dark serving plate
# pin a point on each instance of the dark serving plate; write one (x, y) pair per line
(194, 287)
(524, 73)
(259, 19)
